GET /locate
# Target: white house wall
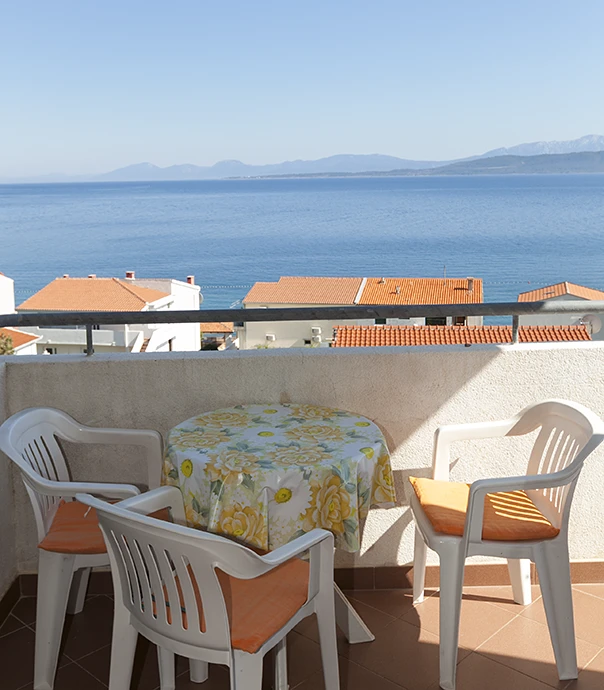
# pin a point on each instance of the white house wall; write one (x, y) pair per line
(7, 295)
(408, 392)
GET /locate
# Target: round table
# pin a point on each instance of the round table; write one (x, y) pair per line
(266, 474)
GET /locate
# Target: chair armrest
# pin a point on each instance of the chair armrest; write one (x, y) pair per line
(70, 489)
(444, 436)
(147, 438)
(296, 547)
(152, 501)
(479, 489)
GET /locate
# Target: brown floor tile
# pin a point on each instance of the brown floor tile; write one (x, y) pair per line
(17, 659)
(589, 588)
(499, 596)
(402, 653)
(525, 646)
(218, 680)
(479, 619)
(352, 677)
(374, 619)
(10, 625)
(589, 616)
(394, 602)
(476, 672)
(25, 610)
(89, 630)
(591, 677)
(72, 677)
(145, 675)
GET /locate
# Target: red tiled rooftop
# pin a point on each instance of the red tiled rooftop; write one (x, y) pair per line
(560, 289)
(91, 294)
(305, 290)
(217, 327)
(422, 291)
(18, 338)
(372, 336)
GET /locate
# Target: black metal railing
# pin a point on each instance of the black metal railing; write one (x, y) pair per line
(90, 319)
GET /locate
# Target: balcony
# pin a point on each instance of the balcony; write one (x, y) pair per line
(408, 392)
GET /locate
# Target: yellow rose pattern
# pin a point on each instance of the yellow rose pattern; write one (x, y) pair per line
(265, 474)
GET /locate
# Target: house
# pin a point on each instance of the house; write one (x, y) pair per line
(379, 336)
(22, 343)
(218, 335)
(559, 293)
(326, 291)
(116, 294)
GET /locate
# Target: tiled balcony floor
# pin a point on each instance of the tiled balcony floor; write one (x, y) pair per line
(502, 646)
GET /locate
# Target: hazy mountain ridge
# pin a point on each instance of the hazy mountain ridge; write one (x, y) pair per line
(347, 164)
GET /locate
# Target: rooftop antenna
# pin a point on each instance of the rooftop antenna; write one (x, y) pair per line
(445, 274)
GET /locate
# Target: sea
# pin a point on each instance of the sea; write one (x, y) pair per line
(515, 232)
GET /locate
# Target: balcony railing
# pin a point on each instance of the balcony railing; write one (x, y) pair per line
(90, 319)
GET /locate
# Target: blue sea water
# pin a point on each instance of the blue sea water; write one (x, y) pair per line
(515, 232)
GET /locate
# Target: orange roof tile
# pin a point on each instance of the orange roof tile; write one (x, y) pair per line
(217, 327)
(371, 336)
(91, 294)
(422, 291)
(306, 290)
(558, 290)
(19, 338)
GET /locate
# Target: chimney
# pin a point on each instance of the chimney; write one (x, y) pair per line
(92, 275)
(65, 275)
(470, 284)
(397, 289)
(130, 274)
(191, 280)
(381, 281)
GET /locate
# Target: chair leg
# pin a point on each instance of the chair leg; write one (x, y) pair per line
(326, 621)
(280, 652)
(79, 587)
(123, 647)
(553, 568)
(246, 671)
(520, 576)
(167, 674)
(451, 589)
(55, 573)
(198, 671)
(419, 567)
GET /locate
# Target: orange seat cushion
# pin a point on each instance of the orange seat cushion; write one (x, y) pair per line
(256, 608)
(75, 530)
(508, 516)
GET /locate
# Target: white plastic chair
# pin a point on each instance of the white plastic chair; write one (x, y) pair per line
(31, 439)
(168, 590)
(568, 434)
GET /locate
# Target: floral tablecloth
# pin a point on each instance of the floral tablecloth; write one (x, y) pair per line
(266, 474)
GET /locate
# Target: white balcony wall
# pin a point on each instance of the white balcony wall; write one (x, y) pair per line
(407, 391)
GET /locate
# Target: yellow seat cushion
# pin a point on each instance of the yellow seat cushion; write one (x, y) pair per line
(256, 608)
(75, 530)
(508, 516)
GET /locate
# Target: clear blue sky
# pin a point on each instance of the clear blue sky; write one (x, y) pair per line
(90, 86)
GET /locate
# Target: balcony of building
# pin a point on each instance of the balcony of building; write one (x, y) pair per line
(408, 392)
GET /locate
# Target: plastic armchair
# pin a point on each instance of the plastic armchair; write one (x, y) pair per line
(156, 563)
(568, 434)
(31, 440)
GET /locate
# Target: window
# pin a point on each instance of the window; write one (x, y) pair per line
(459, 320)
(50, 350)
(380, 322)
(436, 321)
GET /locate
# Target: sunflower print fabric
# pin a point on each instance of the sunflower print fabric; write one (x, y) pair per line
(266, 474)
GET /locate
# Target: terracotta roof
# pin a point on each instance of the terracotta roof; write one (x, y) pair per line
(91, 294)
(19, 338)
(370, 336)
(422, 291)
(291, 290)
(217, 327)
(558, 290)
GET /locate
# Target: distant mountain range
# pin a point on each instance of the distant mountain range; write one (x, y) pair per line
(508, 160)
